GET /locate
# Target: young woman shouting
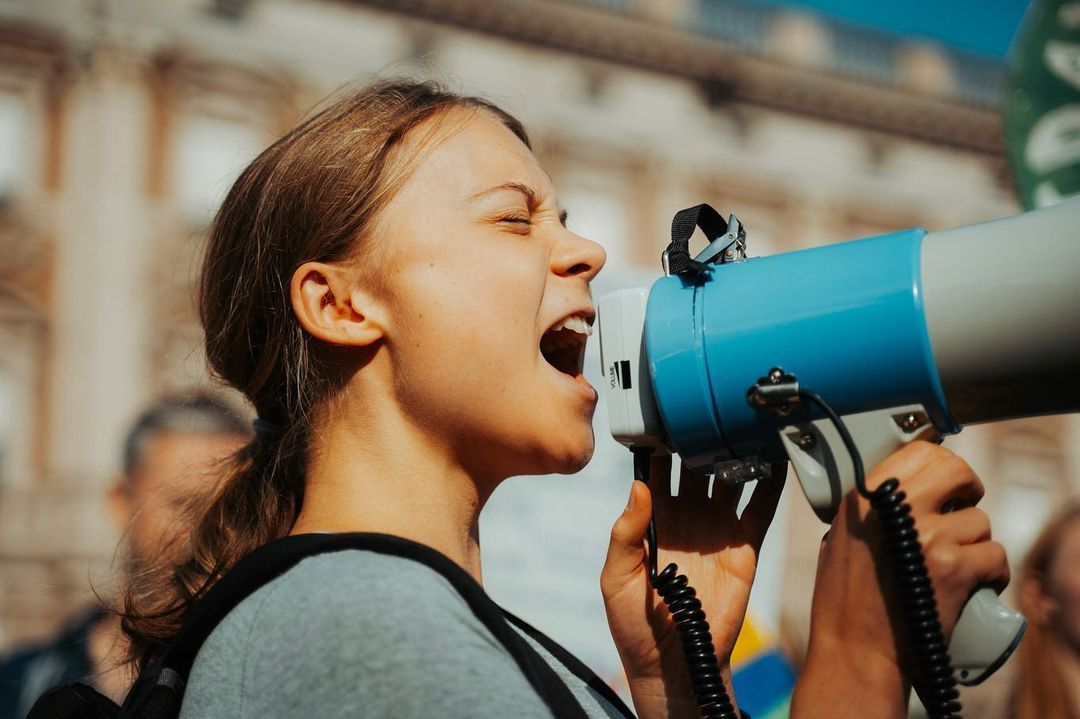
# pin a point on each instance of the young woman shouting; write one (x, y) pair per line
(393, 287)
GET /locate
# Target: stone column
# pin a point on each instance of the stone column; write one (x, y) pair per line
(97, 372)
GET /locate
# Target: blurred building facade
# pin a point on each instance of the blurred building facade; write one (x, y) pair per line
(122, 123)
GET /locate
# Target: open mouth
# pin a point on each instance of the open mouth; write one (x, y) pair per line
(563, 346)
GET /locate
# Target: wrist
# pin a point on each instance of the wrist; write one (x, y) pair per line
(672, 697)
(847, 679)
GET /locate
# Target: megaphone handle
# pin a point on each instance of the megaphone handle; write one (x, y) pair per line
(982, 635)
(985, 636)
(987, 631)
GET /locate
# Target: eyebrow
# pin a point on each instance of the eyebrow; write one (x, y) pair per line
(531, 196)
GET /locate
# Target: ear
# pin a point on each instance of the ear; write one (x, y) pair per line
(120, 503)
(1036, 601)
(330, 306)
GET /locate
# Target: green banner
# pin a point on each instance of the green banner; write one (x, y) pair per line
(1042, 108)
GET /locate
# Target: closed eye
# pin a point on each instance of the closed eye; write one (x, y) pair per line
(517, 220)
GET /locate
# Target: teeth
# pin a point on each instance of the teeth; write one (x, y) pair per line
(575, 323)
(561, 340)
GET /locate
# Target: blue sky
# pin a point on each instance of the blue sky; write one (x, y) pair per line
(984, 26)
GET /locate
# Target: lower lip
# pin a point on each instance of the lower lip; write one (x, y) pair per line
(579, 384)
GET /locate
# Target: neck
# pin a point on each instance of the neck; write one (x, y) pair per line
(383, 474)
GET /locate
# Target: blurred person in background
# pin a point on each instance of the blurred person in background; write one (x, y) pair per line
(1048, 682)
(169, 453)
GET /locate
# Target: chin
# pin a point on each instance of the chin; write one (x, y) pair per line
(574, 455)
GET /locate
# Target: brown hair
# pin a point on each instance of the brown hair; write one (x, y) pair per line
(314, 195)
(1041, 688)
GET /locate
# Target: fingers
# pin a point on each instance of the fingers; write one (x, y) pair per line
(932, 477)
(965, 526)
(626, 550)
(989, 564)
(960, 558)
(957, 570)
(947, 480)
(903, 463)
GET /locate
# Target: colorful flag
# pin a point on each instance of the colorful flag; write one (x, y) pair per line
(762, 675)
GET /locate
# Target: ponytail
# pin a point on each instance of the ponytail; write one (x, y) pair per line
(258, 502)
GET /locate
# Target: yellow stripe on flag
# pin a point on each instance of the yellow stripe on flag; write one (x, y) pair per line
(753, 639)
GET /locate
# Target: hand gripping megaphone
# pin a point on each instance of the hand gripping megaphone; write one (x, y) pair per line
(903, 336)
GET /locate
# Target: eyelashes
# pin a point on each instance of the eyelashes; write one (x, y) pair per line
(517, 222)
(516, 219)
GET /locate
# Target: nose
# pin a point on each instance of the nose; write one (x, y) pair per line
(577, 256)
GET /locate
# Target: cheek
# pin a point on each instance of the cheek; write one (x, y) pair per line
(1065, 590)
(467, 344)
(469, 322)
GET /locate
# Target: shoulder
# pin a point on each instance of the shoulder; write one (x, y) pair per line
(351, 584)
(352, 594)
(334, 599)
(353, 626)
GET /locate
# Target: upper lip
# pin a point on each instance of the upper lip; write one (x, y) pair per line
(586, 311)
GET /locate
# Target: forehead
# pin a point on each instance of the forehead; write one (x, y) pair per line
(467, 151)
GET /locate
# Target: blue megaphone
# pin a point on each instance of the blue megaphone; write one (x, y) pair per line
(907, 336)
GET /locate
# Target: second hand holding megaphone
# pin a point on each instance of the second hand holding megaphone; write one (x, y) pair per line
(837, 356)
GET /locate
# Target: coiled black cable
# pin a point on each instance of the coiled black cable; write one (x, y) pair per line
(690, 621)
(936, 684)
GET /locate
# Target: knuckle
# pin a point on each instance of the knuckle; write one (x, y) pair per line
(618, 534)
(960, 469)
(921, 450)
(944, 563)
(908, 461)
(998, 572)
(977, 485)
(956, 465)
(622, 533)
(998, 555)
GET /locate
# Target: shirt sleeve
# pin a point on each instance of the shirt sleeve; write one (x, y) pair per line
(361, 634)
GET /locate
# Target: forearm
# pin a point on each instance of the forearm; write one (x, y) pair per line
(838, 681)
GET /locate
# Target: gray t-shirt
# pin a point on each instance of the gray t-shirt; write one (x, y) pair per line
(357, 633)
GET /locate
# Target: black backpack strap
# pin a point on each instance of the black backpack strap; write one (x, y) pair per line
(73, 701)
(572, 663)
(276, 558)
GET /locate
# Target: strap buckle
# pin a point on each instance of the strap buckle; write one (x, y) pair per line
(727, 241)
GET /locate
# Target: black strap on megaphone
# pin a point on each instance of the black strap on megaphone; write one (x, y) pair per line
(683, 225)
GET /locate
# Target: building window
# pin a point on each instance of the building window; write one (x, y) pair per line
(13, 146)
(209, 154)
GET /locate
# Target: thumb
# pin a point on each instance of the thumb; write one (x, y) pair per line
(626, 551)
